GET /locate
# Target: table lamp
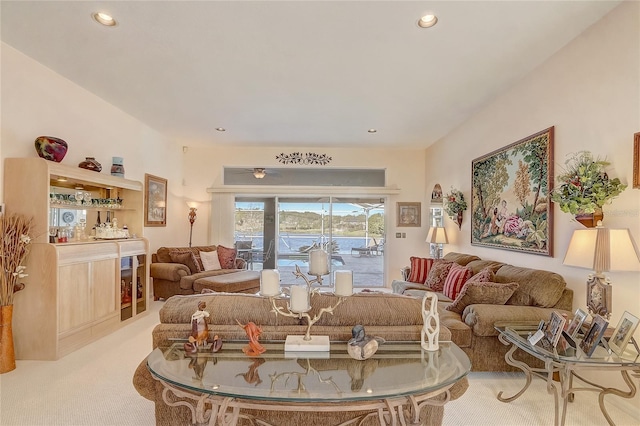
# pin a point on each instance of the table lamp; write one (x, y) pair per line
(437, 235)
(601, 249)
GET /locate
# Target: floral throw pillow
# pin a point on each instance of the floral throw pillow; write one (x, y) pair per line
(227, 257)
(419, 269)
(438, 274)
(476, 292)
(186, 258)
(484, 275)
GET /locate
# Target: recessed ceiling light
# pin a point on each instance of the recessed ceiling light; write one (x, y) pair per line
(427, 21)
(221, 129)
(372, 130)
(104, 19)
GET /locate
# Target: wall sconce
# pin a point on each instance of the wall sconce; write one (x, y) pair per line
(601, 249)
(192, 219)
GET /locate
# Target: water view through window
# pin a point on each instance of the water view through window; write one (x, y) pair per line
(277, 233)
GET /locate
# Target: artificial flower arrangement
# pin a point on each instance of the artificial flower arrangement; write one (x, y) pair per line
(14, 247)
(454, 203)
(585, 186)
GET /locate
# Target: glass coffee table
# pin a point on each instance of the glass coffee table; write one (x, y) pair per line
(566, 361)
(394, 384)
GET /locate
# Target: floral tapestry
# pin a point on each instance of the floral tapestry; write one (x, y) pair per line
(510, 206)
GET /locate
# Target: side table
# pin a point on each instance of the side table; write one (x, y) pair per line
(567, 364)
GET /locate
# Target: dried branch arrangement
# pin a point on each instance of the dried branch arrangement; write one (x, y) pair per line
(14, 247)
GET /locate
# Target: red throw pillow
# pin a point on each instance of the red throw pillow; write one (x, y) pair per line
(456, 278)
(419, 269)
(438, 274)
(227, 257)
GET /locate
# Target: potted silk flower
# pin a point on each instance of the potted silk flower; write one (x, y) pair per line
(14, 247)
(455, 205)
(585, 187)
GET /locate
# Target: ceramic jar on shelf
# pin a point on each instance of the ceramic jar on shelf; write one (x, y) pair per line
(90, 163)
(117, 169)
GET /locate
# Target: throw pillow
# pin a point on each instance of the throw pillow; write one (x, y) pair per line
(419, 269)
(186, 258)
(210, 260)
(227, 257)
(456, 278)
(484, 275)
(476, 292)
(438, 274)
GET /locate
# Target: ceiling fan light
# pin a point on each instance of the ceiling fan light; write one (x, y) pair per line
(259, 173)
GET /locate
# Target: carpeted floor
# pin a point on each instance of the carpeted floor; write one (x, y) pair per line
(93, 386)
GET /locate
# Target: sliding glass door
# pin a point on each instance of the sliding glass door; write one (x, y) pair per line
(351, 230)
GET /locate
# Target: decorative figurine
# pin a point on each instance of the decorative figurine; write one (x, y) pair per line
(361, 346)
(199, 329)
(431, 327)
(252, 376)
(253, 333)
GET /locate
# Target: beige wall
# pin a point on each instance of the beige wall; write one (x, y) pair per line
(590, 92)
(36, 101)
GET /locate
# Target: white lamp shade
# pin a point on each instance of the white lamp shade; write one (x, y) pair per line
(602, 249)
(437, 235)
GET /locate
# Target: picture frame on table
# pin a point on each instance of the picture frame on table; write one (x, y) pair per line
(408, 214)
(510, 206)
(623, 333)
(594, 335)
(155, 201)
(576, 323)
(554, 328)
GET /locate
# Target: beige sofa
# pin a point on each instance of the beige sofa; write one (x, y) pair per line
(538, 294)
(171, 278)
(392, 317)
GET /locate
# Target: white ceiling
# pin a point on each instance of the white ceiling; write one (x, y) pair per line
(297, 73)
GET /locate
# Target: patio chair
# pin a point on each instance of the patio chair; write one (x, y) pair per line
(263, 256)
(371, 248)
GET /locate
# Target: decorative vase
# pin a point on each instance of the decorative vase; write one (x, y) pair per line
(90, 163)
(117, 169)
(7, 351)
(459, 219)
(50, 148)
(590, 220)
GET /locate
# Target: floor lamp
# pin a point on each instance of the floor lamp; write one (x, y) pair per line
(601, 249)
(438, 236)
(192, 218)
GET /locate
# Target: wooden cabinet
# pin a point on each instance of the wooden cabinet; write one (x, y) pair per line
(73, 293)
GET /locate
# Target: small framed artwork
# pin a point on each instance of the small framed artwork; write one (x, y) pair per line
(623, 332)
(636, 160)
(576, 323)
(593, 336)
(408, 214)
(155, 201)
(554, 328)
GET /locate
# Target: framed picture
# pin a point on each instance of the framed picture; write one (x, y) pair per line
(576, 323)
(155, 201)
(554, 328)
(623, 332)
(510, 206)
(408, 214)
(593, 336)
(636, 160)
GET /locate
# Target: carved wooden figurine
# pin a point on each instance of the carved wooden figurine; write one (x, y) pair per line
(431, 327)
(253, 333)
(199, 329)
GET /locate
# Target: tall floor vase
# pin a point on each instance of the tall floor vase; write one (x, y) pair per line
(7, 351)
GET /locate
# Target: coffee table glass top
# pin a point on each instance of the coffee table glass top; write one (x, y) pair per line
(517, 334)
(396, 369)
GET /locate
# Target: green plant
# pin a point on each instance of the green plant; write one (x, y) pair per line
(454, 203)
(584, 185)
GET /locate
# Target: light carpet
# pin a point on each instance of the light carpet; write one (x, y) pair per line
(93, 386)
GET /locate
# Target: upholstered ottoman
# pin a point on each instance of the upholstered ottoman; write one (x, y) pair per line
(235, 282)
